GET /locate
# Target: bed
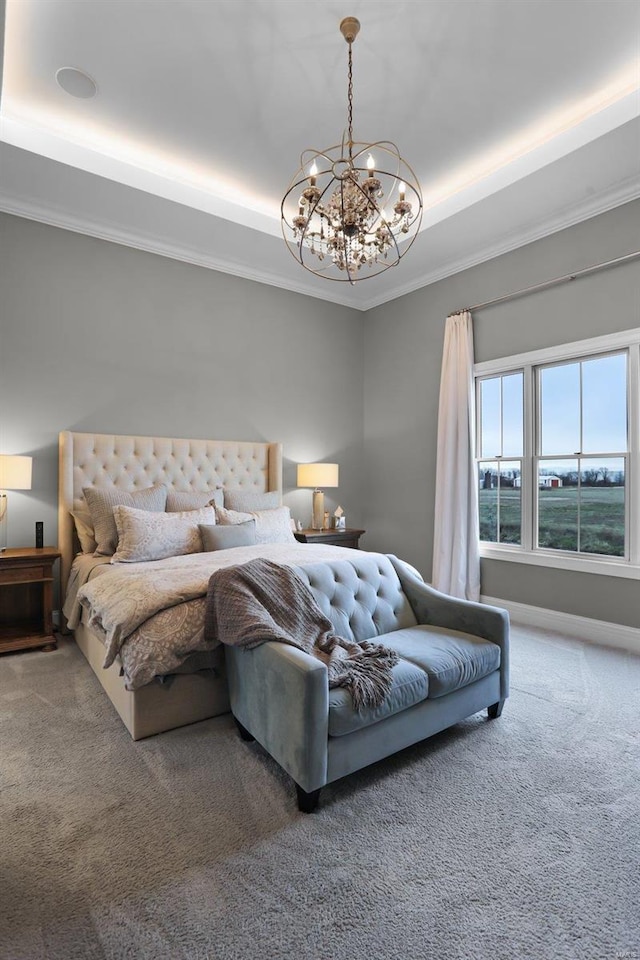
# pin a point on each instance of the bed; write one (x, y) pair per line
(162, 698)
(129, 462)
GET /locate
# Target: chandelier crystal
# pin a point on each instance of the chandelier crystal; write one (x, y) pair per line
(354, 209)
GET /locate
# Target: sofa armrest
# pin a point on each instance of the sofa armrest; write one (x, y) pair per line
(440, 610)
(281, 696)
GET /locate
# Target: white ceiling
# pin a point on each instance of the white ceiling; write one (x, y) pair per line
(519, 117)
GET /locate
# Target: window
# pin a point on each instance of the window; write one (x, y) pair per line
(501, 445)
(558, 455)
(583, 450)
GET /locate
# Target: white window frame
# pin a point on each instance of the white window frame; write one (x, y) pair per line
(501, 458)
(529, 552)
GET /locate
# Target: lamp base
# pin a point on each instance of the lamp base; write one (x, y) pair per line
(317, 523)
(3, 522)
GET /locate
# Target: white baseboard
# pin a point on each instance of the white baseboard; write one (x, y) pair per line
(595, 631)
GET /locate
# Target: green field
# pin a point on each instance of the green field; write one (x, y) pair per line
(601, 518)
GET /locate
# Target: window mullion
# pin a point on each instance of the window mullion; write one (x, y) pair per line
(498, 492)
(579, 517)
(632, 467)
(579, 452)
(527, 473)
(499, 464)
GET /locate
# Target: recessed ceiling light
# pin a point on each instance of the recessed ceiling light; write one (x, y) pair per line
(76, 83)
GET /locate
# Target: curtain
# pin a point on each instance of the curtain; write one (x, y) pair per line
(456, 552)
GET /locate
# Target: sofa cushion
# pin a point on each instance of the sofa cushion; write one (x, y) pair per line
(451, 659)
(410, 685)
(362, 596)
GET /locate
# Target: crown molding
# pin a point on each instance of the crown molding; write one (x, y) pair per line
(622, 193)
(102, 230)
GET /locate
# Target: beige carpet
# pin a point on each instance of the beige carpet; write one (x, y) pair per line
(518, 838)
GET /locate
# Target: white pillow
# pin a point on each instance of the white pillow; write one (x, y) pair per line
(272, 526)
(101, 502)
(153, 536)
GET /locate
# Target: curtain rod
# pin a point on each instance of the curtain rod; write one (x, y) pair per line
(552, 283)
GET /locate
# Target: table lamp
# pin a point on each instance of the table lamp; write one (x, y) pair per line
(15, 474)
(318, 475)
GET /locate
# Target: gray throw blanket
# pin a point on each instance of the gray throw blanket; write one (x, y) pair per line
(254, 602)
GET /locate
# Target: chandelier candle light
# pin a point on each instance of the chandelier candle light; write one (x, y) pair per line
(334, 218)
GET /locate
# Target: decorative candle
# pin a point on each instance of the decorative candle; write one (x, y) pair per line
(371, 165)
(401, 189)
(313, 172)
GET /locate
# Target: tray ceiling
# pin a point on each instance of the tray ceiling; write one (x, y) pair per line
(518, 118)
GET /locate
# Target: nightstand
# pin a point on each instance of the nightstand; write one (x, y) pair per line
(341, 538)
(26, 598)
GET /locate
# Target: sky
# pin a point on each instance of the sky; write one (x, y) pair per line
(601, 429)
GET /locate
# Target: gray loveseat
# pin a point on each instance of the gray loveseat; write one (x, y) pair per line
(454, 663)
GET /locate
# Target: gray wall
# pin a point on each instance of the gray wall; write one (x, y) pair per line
(100, 337)
(403, 354)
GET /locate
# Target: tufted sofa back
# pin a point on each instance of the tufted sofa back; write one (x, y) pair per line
(362, 597)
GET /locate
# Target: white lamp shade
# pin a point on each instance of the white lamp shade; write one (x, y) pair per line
(15, 472)
(318, 474)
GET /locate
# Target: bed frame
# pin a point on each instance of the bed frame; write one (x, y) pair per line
(94, 459)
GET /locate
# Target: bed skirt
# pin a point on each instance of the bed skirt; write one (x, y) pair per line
(157, 707)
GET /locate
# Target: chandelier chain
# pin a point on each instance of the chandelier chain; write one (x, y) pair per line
(350, 96)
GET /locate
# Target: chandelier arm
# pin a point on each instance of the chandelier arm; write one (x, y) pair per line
(372, 202)
(293, 187)
(384, 146)
(304, 234)
(317, 203)
(314, 154)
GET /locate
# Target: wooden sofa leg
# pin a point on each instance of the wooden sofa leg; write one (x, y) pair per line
(307, 802)
(244, 733)
(495, 709)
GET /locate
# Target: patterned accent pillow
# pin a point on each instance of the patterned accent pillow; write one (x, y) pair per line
(220, 537)
(180, 500)
(272, 526)
(101, 502)
(154, 536)
(249, 500)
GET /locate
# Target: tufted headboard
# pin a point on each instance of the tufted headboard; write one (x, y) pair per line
(98, 459)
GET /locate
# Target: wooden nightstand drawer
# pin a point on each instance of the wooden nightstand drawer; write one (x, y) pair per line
(23, 575)
(340, 538)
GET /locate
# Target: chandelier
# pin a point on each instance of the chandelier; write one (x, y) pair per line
(354, 209)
